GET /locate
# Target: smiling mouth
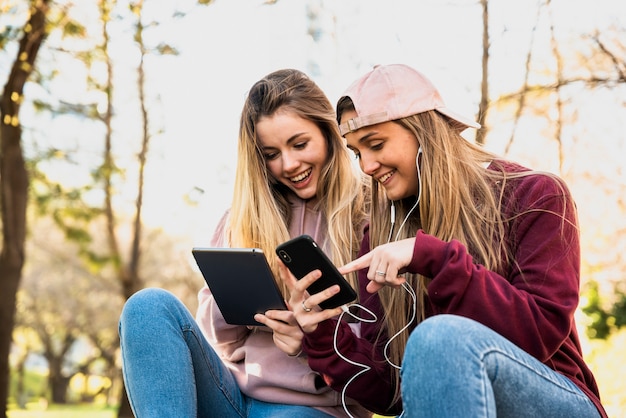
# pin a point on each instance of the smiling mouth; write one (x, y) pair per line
(301, 177)
(385, 177)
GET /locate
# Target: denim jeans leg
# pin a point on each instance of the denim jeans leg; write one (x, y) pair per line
(457, 367)
(169, 368)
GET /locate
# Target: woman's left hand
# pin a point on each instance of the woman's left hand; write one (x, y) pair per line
(386, 264)
(286, 331)
(304, 306)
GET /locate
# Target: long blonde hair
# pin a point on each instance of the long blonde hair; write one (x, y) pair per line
(260, 212)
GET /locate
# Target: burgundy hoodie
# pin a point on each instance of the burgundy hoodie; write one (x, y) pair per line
(533, 305)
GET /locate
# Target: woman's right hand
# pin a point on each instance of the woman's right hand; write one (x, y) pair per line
(287, 334)
(386, 264)
(305, 307)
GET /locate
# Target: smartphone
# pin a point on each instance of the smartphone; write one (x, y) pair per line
(302, 255)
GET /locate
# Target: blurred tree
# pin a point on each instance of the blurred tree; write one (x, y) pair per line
(605, 320)
(599, 325)
(127, 268)
(77, 224)
(14, 183)
(547, 87)
(26, 343)
(66, 206)
(483, 106)
(61, 300)
(549, 91)
(73, 307)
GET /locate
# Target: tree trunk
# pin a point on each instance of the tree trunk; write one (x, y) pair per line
(56, 381)
(125, 410)
(20, 388)
(14, 186)
(483, 107)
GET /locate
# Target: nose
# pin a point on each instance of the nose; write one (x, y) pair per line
(290, 162)
(368, 164)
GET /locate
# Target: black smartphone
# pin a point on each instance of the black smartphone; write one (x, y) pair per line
(302, 255)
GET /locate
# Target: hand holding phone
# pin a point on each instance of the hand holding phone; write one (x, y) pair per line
(302, 255)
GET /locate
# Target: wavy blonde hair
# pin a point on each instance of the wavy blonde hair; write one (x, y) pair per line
(260, 212)
(460, 199)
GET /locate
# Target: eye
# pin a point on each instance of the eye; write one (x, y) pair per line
(376, 145)
(270, 155)
(301, 145)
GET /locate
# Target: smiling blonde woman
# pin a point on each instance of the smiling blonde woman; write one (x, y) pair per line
(294, 176)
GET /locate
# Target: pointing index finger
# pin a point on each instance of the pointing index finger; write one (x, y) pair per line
(358, 264)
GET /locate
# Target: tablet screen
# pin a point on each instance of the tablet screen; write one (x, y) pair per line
(241, 282)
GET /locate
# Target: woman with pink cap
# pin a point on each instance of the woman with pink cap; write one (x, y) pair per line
(470, 265)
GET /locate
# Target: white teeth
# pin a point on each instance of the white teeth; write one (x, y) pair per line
(301, 176)
(385, 177)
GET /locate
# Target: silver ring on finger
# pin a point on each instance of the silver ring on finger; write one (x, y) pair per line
(381, 273)
(306, 308)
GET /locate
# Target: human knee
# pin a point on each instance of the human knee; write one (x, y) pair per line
(145, 302)
(437, 333)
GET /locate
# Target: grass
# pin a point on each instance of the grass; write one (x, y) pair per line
(35, 410)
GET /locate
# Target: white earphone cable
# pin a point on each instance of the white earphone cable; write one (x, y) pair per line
(405, 286)
(365, 368)
(417, 201)
(411, 292)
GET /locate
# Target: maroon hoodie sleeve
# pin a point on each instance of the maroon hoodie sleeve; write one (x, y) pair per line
(371, 388)
(533, 304)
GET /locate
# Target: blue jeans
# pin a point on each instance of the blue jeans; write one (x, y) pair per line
(170, 370)
(457, 367)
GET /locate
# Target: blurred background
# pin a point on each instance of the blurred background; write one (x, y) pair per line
(118, 128)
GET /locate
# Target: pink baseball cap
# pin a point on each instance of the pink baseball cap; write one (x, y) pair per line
(395, 91)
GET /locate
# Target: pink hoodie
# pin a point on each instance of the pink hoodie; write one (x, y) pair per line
(262, 370)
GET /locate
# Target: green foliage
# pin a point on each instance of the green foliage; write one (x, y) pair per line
(74, 29)
(619, 310)
(60, 202)
(35, 386)
(68, 208)
(604, 321)
(7, 35)
(598, 327)
(89, 110)
(63, 411)
(166, 49)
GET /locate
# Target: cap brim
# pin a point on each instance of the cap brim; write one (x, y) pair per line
(461, 121)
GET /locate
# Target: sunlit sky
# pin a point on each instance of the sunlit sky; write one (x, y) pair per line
(229, 45)
(239, 42)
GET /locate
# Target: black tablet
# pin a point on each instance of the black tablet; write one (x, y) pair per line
(241, 281)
